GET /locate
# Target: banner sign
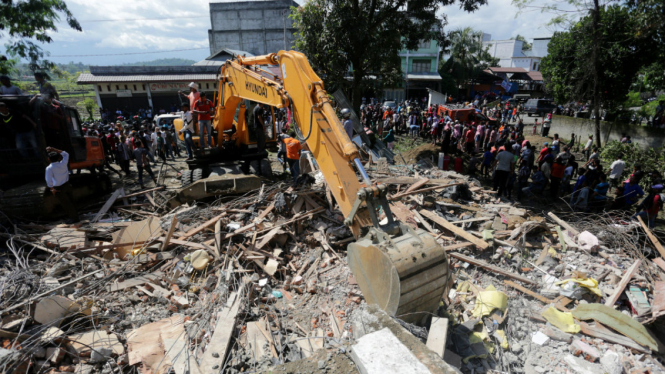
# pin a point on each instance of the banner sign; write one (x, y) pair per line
(170, 86)
(123, 93)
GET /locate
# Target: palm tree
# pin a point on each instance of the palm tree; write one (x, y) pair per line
(468, 57)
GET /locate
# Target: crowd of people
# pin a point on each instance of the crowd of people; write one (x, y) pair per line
(497, 150)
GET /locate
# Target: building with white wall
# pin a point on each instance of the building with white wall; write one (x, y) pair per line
(510, 53)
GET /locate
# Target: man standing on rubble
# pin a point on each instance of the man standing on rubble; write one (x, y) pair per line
(259, 128)
(505, 164)
(293, 149)
(57, 180)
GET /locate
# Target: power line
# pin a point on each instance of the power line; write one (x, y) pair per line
(132, 53)
(139, 19)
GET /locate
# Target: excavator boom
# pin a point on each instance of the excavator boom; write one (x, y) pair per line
(402, 270)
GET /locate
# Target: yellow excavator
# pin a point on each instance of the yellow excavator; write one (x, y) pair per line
(404, 271)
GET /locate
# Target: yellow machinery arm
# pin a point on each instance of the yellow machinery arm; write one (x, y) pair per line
(404, 271)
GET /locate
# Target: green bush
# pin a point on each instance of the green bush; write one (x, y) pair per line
(651, 159)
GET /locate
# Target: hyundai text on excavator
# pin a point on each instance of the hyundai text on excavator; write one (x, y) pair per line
(404, 271)
(22, 182)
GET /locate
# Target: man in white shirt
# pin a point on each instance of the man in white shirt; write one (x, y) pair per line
(187, 130)
(587, 147)
(57, 180)
(616, 169)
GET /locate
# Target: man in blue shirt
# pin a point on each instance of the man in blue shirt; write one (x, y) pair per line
(57, 180)
(632, 191)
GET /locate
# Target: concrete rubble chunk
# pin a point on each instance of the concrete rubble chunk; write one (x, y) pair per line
(95, 340)
(381, 352)
(581, 366)
(580, 348)
(611, 362)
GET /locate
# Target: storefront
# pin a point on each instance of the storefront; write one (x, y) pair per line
(130, 88)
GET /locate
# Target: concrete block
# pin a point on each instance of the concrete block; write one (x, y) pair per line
(381, 352)
(556, 334)
(580, 366)
(580, 348)
(611, 363)
(438, 333)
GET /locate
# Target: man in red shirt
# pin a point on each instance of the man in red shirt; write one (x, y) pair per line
(203, 107)
(556, 175)
(469, 138)
(543, 152)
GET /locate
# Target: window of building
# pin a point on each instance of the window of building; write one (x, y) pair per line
(535, 66)
(421, 66)
(144, 87)
(99, 88)
(135, 88)
(117, 87)
(108, 88)
(207, 86)
(424, 44)
(126, 87)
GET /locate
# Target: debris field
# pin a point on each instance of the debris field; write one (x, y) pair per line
(260, 283)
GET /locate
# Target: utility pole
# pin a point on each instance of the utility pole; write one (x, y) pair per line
(596, 76)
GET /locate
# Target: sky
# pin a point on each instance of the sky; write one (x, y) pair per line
(125, 31)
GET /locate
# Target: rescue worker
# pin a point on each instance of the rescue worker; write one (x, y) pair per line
(57, 180)
(293, 149)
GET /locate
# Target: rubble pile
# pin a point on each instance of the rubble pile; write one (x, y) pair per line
(260, 283)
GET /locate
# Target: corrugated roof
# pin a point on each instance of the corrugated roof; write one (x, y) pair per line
(424, 76)
(87, 78)
(535, 75)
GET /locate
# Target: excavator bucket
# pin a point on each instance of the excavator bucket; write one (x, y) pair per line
(406, 276)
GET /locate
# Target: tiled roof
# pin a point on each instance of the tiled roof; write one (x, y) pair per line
(88, 78)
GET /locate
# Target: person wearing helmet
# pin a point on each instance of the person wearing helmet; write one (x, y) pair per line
(348, 125)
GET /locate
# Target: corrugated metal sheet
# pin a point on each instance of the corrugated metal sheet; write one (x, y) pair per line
(87, 78)
(535, 75)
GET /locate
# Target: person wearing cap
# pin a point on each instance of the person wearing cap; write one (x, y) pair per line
(46, 87)
(204, 108)
(7, 88)
(651, 205)
(543, 153)
(57, 180)
(22, 128)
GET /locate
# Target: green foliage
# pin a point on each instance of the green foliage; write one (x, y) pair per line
(28, 22)
(90, 105)
(650, 159)
(568, 69)
(632, 100)
(526, 46)
(468, 58)
(364, 38)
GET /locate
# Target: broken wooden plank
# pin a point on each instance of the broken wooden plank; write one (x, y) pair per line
(404, 214)
(133, 282)
(660, 263)
(618, 290)
(202, 227)
(400, 195)
(479, 219)
(457, 246)
(424, 222)
(218, 237)
(417, 185)
(105, 208)
(528, 292)
(454, 229)
(493, 268)
(169, 234)
(265, 212)
(143, 192)
(221, 337)
(654, 240)
(564, 224)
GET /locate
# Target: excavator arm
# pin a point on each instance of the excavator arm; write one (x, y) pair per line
(402, 270)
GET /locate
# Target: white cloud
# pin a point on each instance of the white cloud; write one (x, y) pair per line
(149, 42)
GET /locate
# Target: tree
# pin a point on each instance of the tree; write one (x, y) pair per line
(468, 58)
(24, 22)
(90, 105)
(365, 37)
(597, 60)
(526, 46)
